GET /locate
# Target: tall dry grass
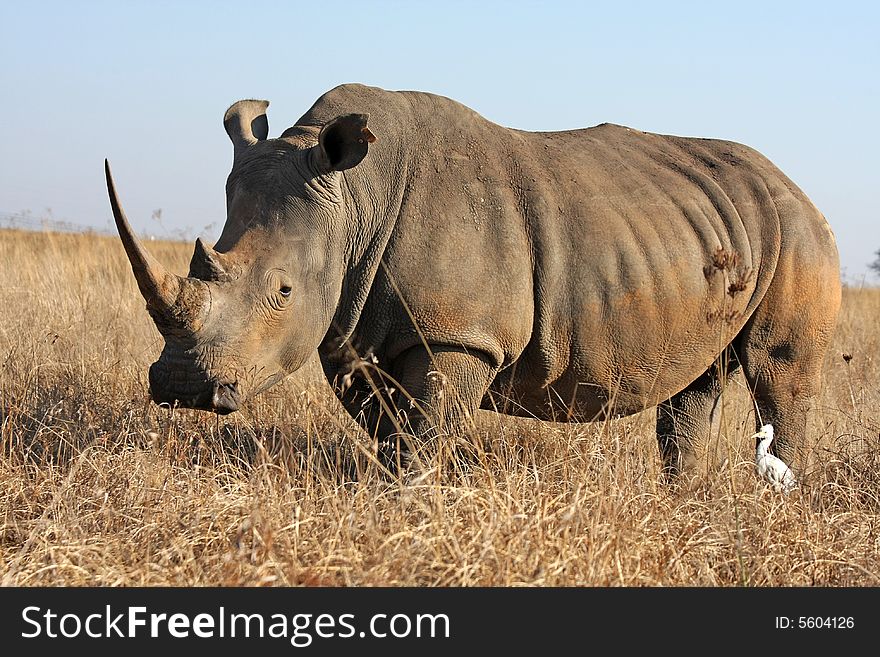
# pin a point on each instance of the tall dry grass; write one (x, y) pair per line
(101, 487)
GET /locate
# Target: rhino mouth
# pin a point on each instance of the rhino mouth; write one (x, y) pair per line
(205, 393)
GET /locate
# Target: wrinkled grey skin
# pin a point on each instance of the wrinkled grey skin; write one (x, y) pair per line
(566, 276)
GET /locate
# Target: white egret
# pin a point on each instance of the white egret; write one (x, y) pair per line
(769, 467)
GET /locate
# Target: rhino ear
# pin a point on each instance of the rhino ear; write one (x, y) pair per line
(343, 142)
(246, 123)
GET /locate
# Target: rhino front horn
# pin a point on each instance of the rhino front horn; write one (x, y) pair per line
(159, 287)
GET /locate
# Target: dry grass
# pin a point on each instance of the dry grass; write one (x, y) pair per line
(101, 487)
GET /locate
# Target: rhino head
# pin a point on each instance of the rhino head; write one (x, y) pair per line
(255, 306)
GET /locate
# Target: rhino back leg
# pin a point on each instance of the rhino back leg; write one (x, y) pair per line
(781, 349)
(684, 421)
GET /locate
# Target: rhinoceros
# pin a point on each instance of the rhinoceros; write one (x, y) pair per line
(440, 263)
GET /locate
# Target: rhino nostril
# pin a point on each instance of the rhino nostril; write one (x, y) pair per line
(225, 398)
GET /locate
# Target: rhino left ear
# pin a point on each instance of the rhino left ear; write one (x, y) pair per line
(246, 123)
(343, 142)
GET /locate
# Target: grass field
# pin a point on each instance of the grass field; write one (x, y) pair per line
(102, 487)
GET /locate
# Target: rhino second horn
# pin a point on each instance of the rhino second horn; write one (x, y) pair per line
(209, 265)
(159, 287)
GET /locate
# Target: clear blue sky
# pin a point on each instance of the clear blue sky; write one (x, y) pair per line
(146, 84)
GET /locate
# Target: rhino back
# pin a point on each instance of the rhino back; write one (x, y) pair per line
(587, 264)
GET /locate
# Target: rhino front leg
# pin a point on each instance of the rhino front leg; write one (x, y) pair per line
(434, 409)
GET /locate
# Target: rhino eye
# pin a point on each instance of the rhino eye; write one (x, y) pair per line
(285, 291)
